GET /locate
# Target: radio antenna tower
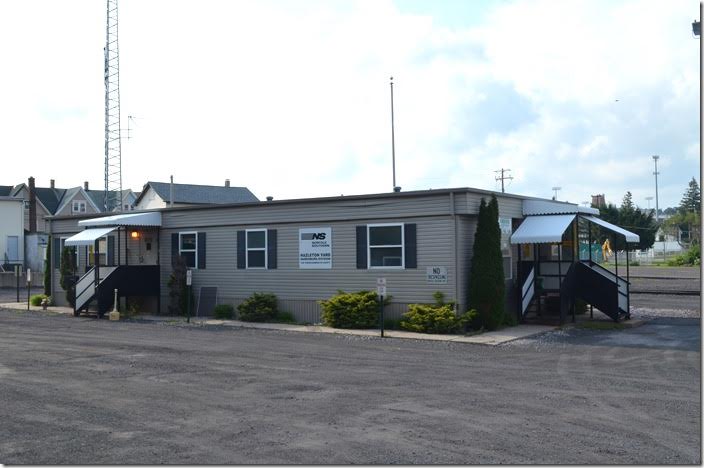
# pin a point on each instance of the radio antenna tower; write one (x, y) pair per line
(113, 142)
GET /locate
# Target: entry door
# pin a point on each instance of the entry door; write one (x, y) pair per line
(13, 248)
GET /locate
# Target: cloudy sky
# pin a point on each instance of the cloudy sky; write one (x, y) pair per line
(291, 98)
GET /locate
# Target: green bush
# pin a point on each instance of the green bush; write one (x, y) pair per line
(36, 300)
(688, 258)
(259, 307)
(435, 318)
(224, 311)
(352, 310)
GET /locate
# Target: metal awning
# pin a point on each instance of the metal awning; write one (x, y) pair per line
(542, 229)
(152, 218)
(552, 207)
(630, 237)
(89, 236)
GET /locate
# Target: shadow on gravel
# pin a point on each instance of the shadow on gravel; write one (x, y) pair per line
(682, 334)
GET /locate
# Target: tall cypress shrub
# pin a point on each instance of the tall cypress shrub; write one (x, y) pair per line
(67, 271)
(486, 282)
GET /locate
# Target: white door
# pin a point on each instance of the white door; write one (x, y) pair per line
(13, 249)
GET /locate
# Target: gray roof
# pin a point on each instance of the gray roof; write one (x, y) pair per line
(98, 197)
(5, 190)
(201, 194)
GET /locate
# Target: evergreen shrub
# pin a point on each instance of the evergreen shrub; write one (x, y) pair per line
(259, 307)
(352, 310)
(487, 287)
(436, 318)
(36, 299)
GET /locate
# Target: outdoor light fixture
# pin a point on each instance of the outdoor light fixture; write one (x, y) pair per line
(134, 234)
(696, 28)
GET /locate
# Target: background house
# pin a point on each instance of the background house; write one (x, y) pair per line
(158, 195)
(11, 233)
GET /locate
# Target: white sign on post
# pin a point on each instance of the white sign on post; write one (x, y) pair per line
(315, 248)
(189, 277)
(381, 286)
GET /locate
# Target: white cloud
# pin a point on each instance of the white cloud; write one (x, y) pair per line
(292, 100)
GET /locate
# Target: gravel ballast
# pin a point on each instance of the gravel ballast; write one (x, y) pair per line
(84, 391)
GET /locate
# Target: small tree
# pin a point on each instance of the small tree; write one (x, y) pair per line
(47, 269)
(691, 200)
(178, 290)
(67, 270)
(486, 284)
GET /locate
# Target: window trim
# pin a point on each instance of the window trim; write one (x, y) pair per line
(78, 203)
(370, 247)
(194, 250)
(247, 248)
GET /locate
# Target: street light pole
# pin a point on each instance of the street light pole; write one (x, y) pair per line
(657, 206)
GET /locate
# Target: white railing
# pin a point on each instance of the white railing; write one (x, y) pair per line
(85, 288)
(527, 291)
(85, 295)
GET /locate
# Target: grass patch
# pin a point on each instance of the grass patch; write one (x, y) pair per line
(602, 325)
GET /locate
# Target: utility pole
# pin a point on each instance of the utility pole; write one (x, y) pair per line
(113, 142)
(657, 206)
(393, 143)
(502, 177)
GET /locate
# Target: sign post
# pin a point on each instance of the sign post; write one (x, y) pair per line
(381, 292)
(189, 281)
(18, 272)
(29, 285)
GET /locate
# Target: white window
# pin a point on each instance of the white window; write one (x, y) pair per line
(256, 248)
(385, 244)
(188, 248)
(79, 206)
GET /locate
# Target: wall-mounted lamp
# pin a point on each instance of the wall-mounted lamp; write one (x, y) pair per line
(134, 234)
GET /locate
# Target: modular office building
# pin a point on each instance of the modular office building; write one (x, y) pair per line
(306, 250)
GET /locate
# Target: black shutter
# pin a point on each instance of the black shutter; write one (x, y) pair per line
(201, 250)
(362, 247)
(271, 248)
(57, 252)
(174, 247)
(111, 251)
(409, 238)
(241, 250)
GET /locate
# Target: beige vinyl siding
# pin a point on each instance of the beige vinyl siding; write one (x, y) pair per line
(467, 227)
(444, 237)
(324, 211)
(303, 287)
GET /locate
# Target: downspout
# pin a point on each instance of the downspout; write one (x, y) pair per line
(454, 242)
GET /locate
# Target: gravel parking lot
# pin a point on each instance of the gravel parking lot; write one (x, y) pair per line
(84, 391)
